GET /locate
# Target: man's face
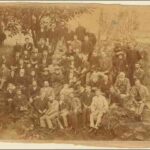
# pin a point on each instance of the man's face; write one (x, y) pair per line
(137, 66)
(62, 97)
(34, 83)
(46, 84)
(71, 95)
(137, 83)
(45, 53)
(94, 54)
(122, 77)
(75, 37)
(66, 86)
(17, 43)
(19, 92)
(12, 72)
(21, 62)
(44, 61)
(3, 66)
(51, 99)
(22, 72)
(17, 54)
(120, 56)
(88, 89)
(45, 72)
(3, 57)
(25, 52)
(27, 40)
(10, 86)
(86, 38)
(42, 41)
(97, 93)
(105, 78)
(28, 65)
(53, 25)
(33, 73)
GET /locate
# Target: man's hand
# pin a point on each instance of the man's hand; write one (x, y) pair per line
(123, 96)
(10, 100)
(30, 100)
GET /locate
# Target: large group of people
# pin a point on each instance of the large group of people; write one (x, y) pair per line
(66, 82)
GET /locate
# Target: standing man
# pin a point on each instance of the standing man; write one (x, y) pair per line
(87, 47)
(132, 56)
(76, 44)
(138, 73)
(53, 36)
(28, 45)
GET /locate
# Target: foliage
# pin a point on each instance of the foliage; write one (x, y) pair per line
(117, 27)
(29, 19)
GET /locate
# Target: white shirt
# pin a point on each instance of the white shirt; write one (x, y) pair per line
(99, 104)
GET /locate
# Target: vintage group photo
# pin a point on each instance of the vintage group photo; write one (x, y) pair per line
(74, 72)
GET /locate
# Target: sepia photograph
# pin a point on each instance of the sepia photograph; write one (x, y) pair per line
(74, 72)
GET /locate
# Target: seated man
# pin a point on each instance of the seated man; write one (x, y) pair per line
(120, 90)
(64, 111)
(66, 91)
(57, 75)
(99, 106)
(46, 91)
(33, 91)
(105, 86)
(17, 47)
(21, 78)
(28, 45)
(40, 105)
(86, 100)
(94, 78)
(76, 44)
(75, 110)
(138, 72)
(51, 113)
(26, 57)
(139, 94)
(20, 64)
(42, 45)
(4, 74)
(32, 76)
(35, 58)
(9, 96)
(20, 103)
(12, 76)
(44, 76)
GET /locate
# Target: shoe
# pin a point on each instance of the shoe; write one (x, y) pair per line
(52, 130)
(84, 128)
(91, 130)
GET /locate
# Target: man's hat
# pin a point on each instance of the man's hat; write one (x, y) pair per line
(12, 68)
(119, 53)
(46, 69)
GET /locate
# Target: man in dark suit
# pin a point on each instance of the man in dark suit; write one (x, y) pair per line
(86, 100)
(28, 45)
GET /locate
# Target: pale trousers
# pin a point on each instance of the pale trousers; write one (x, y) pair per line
(64, 115)
(95, 119)
(47, 119)
(139, 108)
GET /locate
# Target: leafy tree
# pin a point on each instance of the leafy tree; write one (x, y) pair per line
(28, 18)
